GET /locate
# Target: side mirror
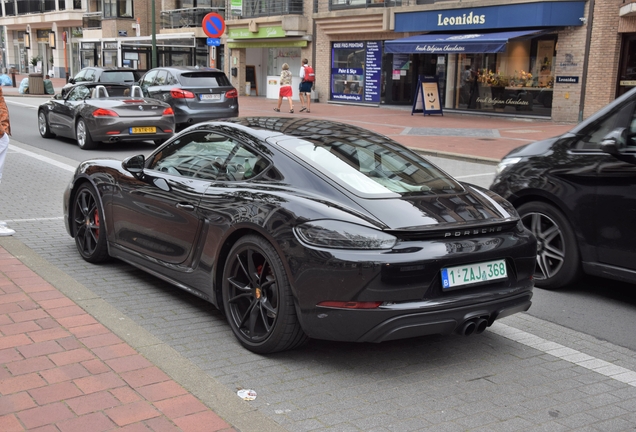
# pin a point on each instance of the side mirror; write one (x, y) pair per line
(134, 164)
(614, 141)
(71, 80)
(58, 96)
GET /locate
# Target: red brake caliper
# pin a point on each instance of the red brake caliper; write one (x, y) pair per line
(96, 217)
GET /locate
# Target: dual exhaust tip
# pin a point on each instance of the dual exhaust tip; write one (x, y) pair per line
(473, 326)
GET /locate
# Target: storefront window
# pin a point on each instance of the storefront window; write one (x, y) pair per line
(356, 71)
(520, 79)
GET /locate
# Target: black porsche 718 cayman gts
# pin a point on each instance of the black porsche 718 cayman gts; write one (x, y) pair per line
(299, 228)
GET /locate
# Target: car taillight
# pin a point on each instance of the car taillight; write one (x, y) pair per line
(168, 111)
(231, 94)
(350, 304)
(101, 112)
(181, 94)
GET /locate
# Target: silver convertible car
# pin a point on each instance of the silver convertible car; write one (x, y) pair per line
(92, 113)
(302, 228)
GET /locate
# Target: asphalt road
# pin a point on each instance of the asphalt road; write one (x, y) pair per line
(494, 381)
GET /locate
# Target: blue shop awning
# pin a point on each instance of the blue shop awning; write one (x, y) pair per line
(473, 43)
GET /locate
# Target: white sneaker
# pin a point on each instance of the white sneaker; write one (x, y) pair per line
(6, 231)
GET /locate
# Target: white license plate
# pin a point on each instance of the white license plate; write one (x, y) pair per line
(210, 97)
(473, 273)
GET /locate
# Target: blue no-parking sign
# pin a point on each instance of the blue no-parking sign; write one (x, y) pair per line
(213, 25)
(214, 42)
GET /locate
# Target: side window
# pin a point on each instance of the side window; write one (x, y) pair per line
(161, 77)
(149, 78)
(170, 79)
(621, 116)
(90, 75)
(209, 156)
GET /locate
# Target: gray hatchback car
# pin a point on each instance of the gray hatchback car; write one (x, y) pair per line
(195, 94)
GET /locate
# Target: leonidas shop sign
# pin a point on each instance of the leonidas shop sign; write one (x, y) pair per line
(263, 32)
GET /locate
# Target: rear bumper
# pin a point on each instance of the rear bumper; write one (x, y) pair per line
(400, 322)
(185, 115)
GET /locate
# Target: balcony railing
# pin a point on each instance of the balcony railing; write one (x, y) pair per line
(259, 8)
(192, 17)
(92, 20)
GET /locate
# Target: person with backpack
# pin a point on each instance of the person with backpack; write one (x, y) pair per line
(307, 78)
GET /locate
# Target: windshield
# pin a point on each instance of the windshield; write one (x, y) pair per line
(118, 76)
(373, 166)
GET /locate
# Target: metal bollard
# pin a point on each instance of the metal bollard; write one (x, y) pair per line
(13, 78)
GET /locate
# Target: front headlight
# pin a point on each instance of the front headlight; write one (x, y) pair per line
(506, 163)
(343, 235)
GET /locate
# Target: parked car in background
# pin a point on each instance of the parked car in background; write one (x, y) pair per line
(577, 194)
(119, 75)
(299, 228)
(195, 94)
(92, 113)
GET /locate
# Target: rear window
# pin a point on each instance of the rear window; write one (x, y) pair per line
(118, 76)
(373, 166)
(205, 79)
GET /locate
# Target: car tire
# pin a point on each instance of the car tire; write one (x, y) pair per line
(257, 298)
(558, 258)
(43, 125)
(83, 136)
(88, 225)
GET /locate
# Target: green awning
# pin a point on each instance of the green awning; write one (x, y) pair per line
(268, 44)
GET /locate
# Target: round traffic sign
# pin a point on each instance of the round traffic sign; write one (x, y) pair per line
(213, 25)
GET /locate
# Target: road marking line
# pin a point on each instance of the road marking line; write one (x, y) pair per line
(35, 219)
(20, 103)
(474, 175)
(42, 158)
(573, 356)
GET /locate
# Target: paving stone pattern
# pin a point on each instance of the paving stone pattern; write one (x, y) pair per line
(480, 383)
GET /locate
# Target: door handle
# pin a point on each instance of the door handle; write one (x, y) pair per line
(185, 206)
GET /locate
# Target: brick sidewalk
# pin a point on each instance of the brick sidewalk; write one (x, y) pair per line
(60, 369)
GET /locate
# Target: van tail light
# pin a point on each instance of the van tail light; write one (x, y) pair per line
(231, 94)
(177, 93)
(168, 111)
(101, 112)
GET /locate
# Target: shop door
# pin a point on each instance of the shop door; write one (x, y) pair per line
(401, 72)
(627, 70)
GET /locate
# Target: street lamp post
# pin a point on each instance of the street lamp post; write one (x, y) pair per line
(154, 36)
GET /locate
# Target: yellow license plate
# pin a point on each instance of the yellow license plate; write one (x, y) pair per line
(143, 130)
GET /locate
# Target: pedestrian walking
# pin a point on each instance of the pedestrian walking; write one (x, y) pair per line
(5, 131)
(285, 88)
(307, 78)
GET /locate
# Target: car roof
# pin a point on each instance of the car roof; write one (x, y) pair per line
(305, 127)
(182, 69)
(317, 130)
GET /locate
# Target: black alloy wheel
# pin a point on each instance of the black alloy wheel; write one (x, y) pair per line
(557, 252)
(88, 226)
(43, 125)
(257, 298)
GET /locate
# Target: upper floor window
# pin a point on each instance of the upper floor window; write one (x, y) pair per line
(118, 8)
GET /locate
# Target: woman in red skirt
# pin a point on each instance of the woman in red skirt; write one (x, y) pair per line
(285, 88)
